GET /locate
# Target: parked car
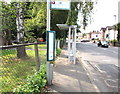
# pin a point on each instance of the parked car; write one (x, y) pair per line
(40, 39)
(103, 44)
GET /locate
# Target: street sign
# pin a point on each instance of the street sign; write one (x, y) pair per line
(60, 4)
(50, 45)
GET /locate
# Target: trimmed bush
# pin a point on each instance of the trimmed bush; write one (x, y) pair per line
(58, 51)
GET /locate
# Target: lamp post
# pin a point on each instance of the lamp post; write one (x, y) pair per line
(114, 29)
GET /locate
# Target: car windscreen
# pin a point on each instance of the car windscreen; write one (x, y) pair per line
(104, 42)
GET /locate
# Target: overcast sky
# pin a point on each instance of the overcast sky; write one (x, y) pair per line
(104, 14)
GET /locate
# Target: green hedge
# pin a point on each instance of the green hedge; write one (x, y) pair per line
(58, 51)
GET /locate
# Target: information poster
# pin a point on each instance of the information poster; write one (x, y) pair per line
(50, 45)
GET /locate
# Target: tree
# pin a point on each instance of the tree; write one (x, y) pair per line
(34, 19)
(118, 28)
(73, 14)
(58, 17)
(12, 19)
(85, 8)
(21, 53)
(35, 22)
(64, 17)
(8, 22)
(71, 17)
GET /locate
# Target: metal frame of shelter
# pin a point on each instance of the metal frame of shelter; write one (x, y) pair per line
(71, 41)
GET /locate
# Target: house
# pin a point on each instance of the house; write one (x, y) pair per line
(105, 34)
(108, 33)
(95, 35)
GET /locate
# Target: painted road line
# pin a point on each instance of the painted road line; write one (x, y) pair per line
(108, 81)
(88, 73)
(99, 69)
(106, 60)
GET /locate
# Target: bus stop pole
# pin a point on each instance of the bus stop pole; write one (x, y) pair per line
(48, 15)
(48, 29)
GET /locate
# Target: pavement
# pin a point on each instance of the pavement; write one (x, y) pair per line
(70, 77)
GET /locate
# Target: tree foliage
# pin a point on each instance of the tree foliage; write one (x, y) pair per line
(118, 28)
(35, 18)
(73, 14)
(85, 8)
(35, 22)
(58, 17)
(64, 17)
(8, 15)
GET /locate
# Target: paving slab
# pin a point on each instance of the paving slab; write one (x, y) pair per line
(70, 77)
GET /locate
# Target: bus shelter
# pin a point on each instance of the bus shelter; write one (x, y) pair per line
(71, 41)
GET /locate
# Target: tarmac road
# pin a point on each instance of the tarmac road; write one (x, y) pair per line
(101, 64)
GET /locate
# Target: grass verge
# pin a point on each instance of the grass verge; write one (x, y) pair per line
(14, 71)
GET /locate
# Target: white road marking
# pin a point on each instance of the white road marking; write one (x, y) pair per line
(99, 69)
(112, 81)
(106, 60)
